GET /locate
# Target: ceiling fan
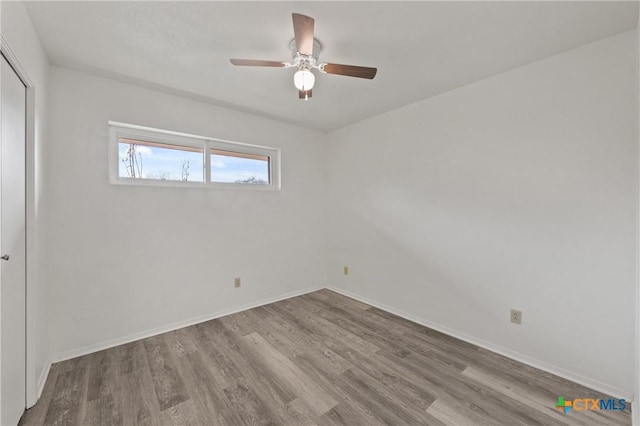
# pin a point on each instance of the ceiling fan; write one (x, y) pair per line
(305, 50)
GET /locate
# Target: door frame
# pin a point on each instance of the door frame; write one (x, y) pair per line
(33, 384)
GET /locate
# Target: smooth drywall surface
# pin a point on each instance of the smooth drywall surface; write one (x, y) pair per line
(518, 191)
(19, 35)
(128, 259)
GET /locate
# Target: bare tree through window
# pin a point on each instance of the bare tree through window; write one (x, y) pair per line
(133, 162)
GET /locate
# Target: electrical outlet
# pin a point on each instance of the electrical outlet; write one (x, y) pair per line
(346, 270)
(516, 316)
(236, 281)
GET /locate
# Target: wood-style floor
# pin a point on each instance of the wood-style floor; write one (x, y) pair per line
(321, 358)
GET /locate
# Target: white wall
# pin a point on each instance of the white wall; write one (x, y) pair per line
(18, 32)
(126, 260)
(517, 191)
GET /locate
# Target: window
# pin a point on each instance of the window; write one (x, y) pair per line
(154, 160)
(143, 156)
(236, 167)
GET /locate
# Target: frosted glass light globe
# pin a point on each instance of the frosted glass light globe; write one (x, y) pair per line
(304, 80)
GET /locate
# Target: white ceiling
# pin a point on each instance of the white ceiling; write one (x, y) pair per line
(420, 48)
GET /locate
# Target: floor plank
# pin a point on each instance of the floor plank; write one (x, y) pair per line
(64, 408)
(280, 366)
(168, 384)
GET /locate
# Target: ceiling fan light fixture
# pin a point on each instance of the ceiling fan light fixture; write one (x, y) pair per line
(304, 79)
(305, 49)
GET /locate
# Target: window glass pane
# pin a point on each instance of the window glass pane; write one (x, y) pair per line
(152, 160)
(238, 167)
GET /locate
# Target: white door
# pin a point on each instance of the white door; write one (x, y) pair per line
(12, 246)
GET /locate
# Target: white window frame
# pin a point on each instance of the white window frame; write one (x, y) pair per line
(119, 130)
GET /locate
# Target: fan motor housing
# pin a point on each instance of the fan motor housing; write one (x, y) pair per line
(305, 61)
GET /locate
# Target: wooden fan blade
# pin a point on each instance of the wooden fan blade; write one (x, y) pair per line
(303, 31)
(256, 63)
(350, 70)
(302, 94)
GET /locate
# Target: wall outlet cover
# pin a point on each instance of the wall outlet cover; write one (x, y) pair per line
(516, 316)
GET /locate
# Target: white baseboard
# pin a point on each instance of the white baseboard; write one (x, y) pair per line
(43, 378)
(517, 356)
(44, 374)
(533, 362)
(171, 327)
